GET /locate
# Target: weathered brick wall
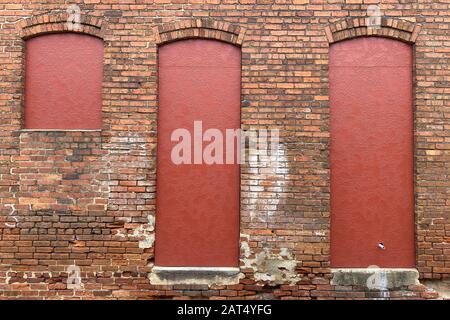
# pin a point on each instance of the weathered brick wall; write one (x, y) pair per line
(88, 198)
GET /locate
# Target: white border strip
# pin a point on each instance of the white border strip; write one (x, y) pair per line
(207, 269)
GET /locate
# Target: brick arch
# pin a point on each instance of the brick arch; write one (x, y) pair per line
(57, 22)
(199, 28)
(401, 30)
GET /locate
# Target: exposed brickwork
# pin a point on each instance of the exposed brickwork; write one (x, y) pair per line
(89, 197)
(357, 27)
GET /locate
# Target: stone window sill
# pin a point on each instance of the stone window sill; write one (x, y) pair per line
(386, 278)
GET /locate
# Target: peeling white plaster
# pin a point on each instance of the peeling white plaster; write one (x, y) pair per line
(272, 266)
(146, 232)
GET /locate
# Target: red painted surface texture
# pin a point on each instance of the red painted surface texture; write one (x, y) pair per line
(371, 153)
(197, 220)
(63, 85)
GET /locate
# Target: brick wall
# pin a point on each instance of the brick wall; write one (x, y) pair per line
(88, 198)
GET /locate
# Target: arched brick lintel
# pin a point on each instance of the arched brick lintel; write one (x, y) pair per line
(401, 30)
(199, 28)
(57, 23)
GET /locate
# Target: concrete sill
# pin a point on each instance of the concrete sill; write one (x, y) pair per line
(375, 278)
(195, 275)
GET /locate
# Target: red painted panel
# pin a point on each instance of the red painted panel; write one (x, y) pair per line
(197, 220)
(63, 88)
(371, 153)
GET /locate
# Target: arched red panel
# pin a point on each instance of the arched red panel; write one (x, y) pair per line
(371, 153)
(63, 86)
(197, 219)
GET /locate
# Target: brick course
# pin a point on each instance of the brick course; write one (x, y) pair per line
(88, 198)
